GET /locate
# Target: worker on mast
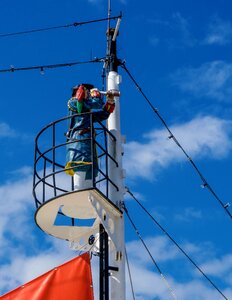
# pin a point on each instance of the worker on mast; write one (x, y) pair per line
(85, 98)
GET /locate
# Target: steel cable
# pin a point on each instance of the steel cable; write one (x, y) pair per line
(205, 183)
(129, 273)
(52, 66)
(176, 244)
(149, 253)
(75, 24)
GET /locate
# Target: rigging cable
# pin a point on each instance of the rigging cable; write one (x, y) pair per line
(41, 68)
(129, 273)
(75, 24)
(152, 258)
(204, 184)
(176, 244)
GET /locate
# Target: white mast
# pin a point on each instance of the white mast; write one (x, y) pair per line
(117, 251)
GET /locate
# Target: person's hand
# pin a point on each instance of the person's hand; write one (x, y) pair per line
(110, 103)
(110, 98)
(95, 93)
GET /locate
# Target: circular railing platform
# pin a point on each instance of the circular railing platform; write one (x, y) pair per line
(63, 211)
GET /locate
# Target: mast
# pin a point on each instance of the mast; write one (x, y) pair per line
(117, 252)
(104, 207)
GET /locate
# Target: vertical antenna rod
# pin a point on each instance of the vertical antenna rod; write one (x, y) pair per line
(109, 13)
(108, 27)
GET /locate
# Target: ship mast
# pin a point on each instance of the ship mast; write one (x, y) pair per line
(77, 213)
(117, 252)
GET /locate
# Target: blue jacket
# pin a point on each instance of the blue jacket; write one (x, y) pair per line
(78, 149)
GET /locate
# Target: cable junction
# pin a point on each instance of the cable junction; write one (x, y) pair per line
(152, 258)
(53, 66)
(176, 244)
(75, 24)
(205, 183)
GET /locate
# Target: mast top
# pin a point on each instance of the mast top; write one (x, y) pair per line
(113, 61)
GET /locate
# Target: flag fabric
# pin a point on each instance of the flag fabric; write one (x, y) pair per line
(70, 281)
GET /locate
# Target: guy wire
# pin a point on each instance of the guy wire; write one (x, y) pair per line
(149, 253)
(204, 184)
(176, 244)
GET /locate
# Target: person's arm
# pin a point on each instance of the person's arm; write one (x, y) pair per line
(110, 103)
(106, 110)
(72, 104)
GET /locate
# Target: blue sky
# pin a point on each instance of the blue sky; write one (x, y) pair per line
(180, 54)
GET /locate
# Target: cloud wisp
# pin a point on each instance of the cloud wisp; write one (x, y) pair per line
(22, 254)
(193, 287)
(177, 29)
(201, 137)
(220, 267)
(6, 131)
(22, 265)
(188, 214)
(211, 80)
(219, 32)
(182, 25)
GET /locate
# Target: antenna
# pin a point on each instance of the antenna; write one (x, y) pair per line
(108, 28)
(116, 29)
(109, 13)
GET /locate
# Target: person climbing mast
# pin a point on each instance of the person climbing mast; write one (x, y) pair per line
(85, 98)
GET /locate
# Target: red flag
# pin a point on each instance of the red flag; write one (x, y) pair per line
(71, 281)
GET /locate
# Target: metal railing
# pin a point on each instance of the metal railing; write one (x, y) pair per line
(50, 180)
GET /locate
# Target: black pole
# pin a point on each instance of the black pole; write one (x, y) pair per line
(112, 51)
(104, 264)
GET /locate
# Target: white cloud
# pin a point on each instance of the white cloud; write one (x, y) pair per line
(188, 214)
(148, 284)
(219, 32)
(16, 197)
(147, 281)
(21, 172)
(193, 287)
(219, 267)
(201, 137)
(19, 266)
(178, 32)
(211, 80)
(158, 246)
(21, 254)
(6, 131)
(17, 236)
(22, 268)
(137, 195)
(182, 25)
(196, 289)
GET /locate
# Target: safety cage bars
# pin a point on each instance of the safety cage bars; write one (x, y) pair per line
(50, 180)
